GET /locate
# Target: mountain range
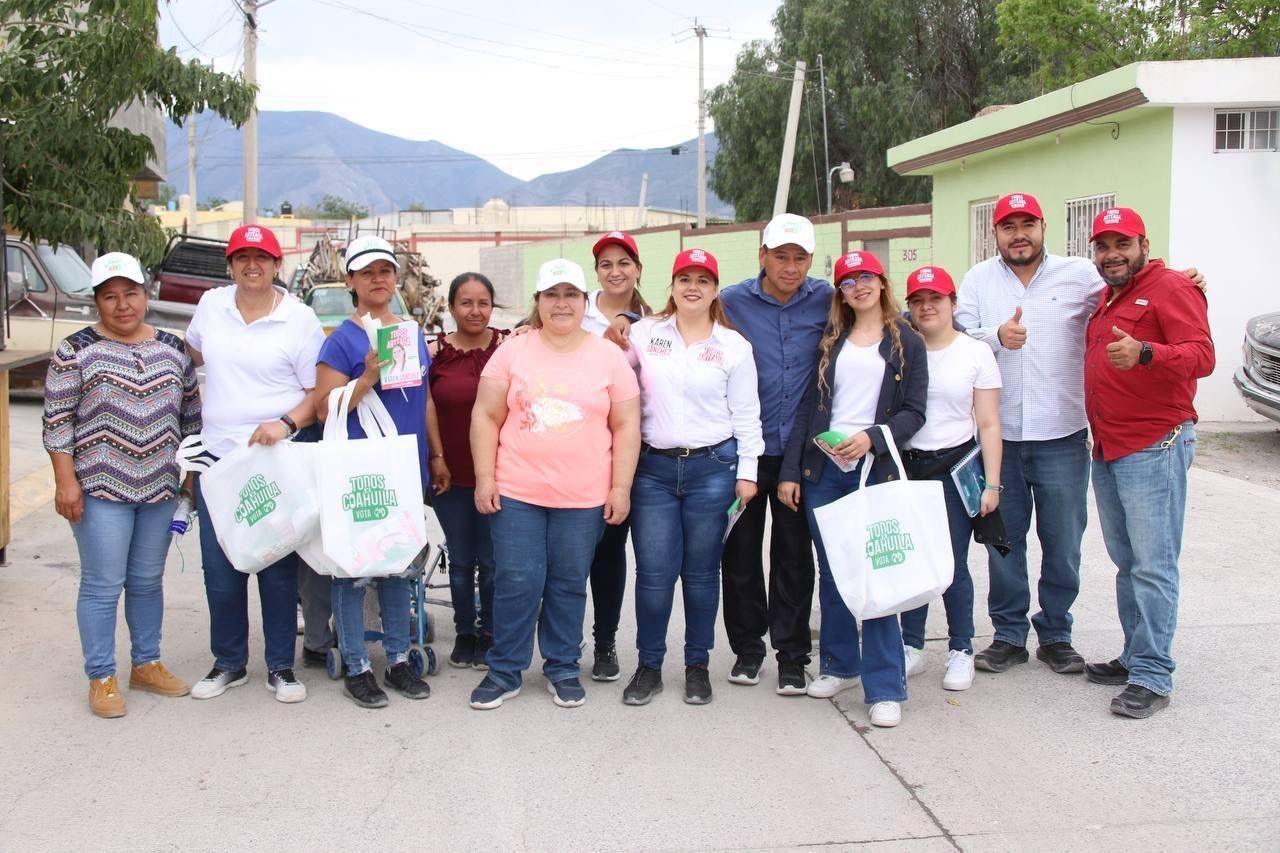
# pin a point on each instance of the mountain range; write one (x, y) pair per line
(303, 156)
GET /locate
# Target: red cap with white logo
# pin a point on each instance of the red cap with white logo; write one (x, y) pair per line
(930, 278)
(253, 237)
(1121, 220)
(690, 258)
(1016, 203)
(852, 263)
(617, 238)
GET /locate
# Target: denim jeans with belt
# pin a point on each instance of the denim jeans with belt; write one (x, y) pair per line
(348, 615)
(1054, 476)
(122, 548)
(228, 593)
(880, 661)
(1142, 501)
(542, 556)
(678, 516)
(468, 535)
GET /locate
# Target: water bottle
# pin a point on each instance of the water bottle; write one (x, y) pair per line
(181, 520)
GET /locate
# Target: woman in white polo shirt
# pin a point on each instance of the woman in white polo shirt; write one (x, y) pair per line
(964, 386)
(700, 426)
(258, 346)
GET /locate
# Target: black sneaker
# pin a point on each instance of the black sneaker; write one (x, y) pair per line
(1138, 702)
(746, 670)
(484, 642)
(1061, 658)
(792, 680)
(286, 686)
(363, 689)
(1112, 672)
(697, 685)
(606, 667)
(999, 656)
(645, 684)
(464, 651)
(313, 659)
(401, 679)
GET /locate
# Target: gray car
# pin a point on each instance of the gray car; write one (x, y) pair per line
(1258, 380)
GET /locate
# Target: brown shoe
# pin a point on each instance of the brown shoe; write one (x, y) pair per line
(154, 678)
(105, 698)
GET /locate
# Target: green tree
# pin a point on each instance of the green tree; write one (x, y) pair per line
(66, 68)
(211, 202)
(336, 207)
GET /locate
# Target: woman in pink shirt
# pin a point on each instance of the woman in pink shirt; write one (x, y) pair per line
(555, 435)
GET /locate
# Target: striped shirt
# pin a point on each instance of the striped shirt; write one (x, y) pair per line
(1043, 393)
(120, 410)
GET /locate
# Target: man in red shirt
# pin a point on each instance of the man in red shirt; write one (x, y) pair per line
(1145, 346)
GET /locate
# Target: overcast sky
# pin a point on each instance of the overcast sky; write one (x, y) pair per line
(533, 87)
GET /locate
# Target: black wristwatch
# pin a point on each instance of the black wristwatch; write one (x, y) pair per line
(1147, 354)
(289, 423)
(630, 315)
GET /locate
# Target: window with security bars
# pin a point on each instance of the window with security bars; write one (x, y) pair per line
(1246, 130)
(982, 240)
(1079, 219)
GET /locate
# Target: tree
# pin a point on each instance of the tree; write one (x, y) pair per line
(66, 68)
(211, 202)
(336, 207)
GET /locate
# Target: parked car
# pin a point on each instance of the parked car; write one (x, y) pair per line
(50, 297)
(1258, 380)
(332, 304)
(191, 266)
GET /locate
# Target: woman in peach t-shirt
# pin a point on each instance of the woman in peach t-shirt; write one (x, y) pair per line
(555, 435)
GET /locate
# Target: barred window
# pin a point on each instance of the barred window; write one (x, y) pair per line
(1079, 219)
(982, 238)
(1246, 130)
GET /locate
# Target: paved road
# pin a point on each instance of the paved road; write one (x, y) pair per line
(1024, 760)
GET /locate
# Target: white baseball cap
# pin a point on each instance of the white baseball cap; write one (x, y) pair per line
(365, 250)
(789, 228)
(560, 271)
(116, 265)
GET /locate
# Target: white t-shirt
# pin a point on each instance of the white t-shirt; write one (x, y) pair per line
(858, 377)
(955, 371)
(253, 373)
(592, 320)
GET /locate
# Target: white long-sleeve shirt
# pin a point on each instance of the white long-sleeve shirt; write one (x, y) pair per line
(698, 395)
(1043, 382)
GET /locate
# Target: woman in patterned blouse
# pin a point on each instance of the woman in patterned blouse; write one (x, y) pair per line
(119, 396)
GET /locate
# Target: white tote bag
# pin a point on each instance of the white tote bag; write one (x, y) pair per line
(372, 518)
(261, 499)
(888, 545)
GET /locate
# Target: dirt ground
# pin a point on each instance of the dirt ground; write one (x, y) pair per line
(1249, 451)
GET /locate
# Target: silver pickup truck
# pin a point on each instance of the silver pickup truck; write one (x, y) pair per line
(1258, 380)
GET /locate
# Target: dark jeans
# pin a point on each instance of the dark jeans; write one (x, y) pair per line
(785, 613)
(228, 594)
(468, 535)
(958, 599)
(609, 582)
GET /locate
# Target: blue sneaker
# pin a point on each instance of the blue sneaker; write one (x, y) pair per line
(490, 694)
(567, 693)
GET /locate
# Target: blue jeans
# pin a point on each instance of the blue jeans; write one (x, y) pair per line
(1142, 499)
(122, 548)
(228, 593)
(1054, 475)
(467, 534)
(880, 663)
(678, 517)
(543, 557)
(958, 599)
(348, 615)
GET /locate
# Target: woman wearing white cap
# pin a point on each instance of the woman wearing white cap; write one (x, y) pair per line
(119, 396)
(554, 437)
(258, 346)
(700, 425)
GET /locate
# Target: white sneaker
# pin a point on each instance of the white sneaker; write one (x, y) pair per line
(286, 686)
(916, 662)
(217, 682)
(826, 686)
(959, 674)
(886, 714)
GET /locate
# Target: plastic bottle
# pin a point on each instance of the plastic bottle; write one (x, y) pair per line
(181, 520)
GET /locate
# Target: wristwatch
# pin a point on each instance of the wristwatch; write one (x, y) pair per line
(289, 424)
(1147, 354)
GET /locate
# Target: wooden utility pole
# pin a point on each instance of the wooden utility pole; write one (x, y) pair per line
(789, 143)
(251, 8)
(191, 173)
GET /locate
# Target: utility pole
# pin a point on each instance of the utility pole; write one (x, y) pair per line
(826, 156)
(701, 32)
(644, 192)
(789, 143)
(251, 8)
(191, 172)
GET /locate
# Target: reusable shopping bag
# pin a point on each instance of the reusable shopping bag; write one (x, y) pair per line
(888, 545)
(261, 499)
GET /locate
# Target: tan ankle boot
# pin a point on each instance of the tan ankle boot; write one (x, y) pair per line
(154, 678)
(105, 698)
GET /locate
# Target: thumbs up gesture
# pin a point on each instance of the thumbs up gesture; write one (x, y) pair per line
(1124, 351)
(1012, 333)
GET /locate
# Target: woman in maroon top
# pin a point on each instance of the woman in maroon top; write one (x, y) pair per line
(454, 375)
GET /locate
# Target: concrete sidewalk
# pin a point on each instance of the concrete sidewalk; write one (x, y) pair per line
(1023, 760)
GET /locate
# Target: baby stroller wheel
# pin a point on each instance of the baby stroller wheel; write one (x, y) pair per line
(333, 663)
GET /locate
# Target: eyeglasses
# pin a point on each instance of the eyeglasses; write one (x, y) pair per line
(866, 279)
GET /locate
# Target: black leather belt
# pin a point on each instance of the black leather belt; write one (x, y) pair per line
(683, 452)
(929, 455)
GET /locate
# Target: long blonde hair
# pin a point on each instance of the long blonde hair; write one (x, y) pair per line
(840, 321)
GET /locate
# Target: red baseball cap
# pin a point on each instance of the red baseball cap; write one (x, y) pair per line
(1121, 220)
(930, 278)
(856, 262)
(1016, 203)
(253, 237)
(617, 238)
(696, 258)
